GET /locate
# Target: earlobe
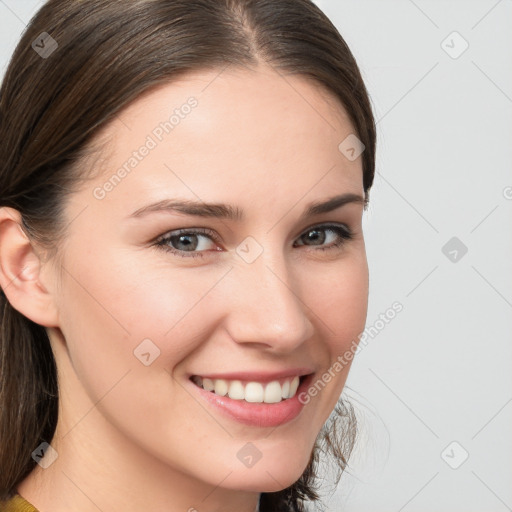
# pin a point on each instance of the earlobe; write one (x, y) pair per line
(20, 272)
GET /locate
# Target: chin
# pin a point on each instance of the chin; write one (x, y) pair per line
(273, 476)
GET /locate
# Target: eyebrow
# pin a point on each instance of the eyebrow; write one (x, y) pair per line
(234, 213)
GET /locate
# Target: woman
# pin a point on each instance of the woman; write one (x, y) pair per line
(182, 261)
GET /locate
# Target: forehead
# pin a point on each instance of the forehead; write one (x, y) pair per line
(213, 130)
(244, 90)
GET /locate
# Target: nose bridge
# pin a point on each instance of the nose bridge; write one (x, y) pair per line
(269, 307)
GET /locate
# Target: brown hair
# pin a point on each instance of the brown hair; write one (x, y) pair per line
(51, 107)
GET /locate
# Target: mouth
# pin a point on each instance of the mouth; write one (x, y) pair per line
(271, 392)
(265, 403)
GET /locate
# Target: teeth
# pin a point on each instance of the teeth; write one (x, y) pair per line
(254, 392)
(208, 384)
(236, 390)
(294, 384)
(273, 393)
(221, 387)
(286, 389)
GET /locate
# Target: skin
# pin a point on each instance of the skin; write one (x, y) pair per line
(132, 437)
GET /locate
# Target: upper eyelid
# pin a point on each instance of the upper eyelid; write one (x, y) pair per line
(186, 231)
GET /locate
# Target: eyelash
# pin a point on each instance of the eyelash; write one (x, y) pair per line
(342, 231)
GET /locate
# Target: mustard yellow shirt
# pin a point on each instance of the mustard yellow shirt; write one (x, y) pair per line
(17, 504)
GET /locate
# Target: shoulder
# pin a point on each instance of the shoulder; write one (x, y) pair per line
(16, 504)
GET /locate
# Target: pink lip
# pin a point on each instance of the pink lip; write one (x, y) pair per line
(256, 414)
(258, 376)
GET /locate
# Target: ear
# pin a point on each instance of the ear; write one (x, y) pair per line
(20, 272)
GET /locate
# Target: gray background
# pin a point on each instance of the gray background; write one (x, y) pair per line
(433, 388)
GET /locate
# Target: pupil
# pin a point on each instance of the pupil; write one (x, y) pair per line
(188, 245)
(315, 236)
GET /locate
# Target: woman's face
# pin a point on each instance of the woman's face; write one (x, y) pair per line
(258, 290)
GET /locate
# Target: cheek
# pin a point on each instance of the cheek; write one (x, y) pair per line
(340, 307)
(340, 302)
(122, 317)
(108, 312)
(125, 302)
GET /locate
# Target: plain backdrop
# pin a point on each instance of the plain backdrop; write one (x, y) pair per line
(432, 387)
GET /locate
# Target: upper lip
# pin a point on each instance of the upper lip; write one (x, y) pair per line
(258, 376)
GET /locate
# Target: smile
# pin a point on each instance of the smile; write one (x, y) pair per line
(251, 391)
(268, 402)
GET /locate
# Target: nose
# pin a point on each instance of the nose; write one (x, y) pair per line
(266, 307)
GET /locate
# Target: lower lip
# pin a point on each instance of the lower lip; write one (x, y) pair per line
(257, 414)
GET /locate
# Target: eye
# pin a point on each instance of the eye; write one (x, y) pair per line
(187, 242)
(316, 235)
